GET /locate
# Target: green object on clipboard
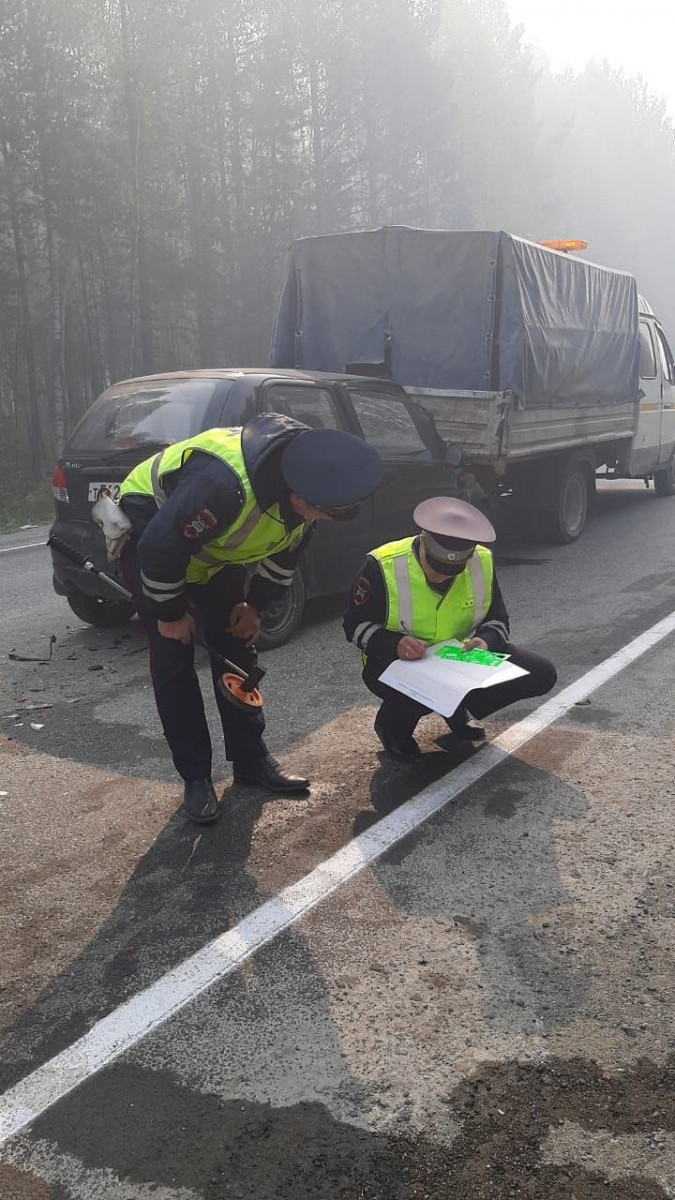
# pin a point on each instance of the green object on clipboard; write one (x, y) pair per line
(480, 658)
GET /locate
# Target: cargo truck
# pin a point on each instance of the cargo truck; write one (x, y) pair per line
(543, 369)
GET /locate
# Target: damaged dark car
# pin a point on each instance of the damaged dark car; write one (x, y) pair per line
(139, 417)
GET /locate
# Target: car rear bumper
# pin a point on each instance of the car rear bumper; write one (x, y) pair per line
(87, 539)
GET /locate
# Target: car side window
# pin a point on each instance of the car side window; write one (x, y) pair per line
(647, 356)
(387, 424)
(666, 357)
(314, 406)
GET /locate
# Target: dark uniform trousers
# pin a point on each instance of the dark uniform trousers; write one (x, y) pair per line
(177, 692)
(400, 714)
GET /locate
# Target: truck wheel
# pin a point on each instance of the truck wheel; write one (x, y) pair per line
(103, 614)
(282, 618)
(664, 480)
(564, 521)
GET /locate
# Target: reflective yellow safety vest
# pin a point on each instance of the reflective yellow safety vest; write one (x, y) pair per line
(414, 607)
(253, 535)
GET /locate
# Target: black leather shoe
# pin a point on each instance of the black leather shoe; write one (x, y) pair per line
(465, 727)
(267, 773)
(200, 801)
(401, 749)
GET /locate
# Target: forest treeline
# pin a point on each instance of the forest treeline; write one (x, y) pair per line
(157, 158)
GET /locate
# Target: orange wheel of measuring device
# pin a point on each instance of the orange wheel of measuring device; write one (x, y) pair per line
(231, 687)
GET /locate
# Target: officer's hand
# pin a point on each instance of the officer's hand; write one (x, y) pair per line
(475, 643)
(411, 648)
(245, 623)
(182, 630)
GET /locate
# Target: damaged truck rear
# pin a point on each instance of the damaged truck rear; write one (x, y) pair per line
(543, 369)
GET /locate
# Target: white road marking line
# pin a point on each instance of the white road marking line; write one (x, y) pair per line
(28, 546)
(137, 1017)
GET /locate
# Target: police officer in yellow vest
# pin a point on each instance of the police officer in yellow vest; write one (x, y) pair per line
(206, 513)
(420, 590)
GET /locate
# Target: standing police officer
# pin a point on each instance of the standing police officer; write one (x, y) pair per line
(418, 591)
(203, 511)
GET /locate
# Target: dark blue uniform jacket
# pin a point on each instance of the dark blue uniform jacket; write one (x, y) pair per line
(204, 499)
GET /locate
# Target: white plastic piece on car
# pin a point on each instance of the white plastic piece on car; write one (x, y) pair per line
(114, 523)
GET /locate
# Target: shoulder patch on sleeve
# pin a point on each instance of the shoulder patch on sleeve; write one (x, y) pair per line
(361, 591)
(198, 524)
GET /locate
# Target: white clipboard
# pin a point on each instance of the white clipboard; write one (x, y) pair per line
(441, 684)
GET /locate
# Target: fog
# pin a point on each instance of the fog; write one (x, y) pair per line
(638, 40)
(156, 159)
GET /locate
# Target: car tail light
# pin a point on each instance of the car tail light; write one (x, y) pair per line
(60, 486)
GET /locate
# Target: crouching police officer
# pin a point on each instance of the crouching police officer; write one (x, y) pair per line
(430, 588)
(203, 510)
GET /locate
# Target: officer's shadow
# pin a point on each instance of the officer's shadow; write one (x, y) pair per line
(503, 833)
(190, 886)
(393, 784)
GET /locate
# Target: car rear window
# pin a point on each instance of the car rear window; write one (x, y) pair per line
(147, 414)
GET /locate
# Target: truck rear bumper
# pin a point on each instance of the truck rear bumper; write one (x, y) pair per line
(493, 430)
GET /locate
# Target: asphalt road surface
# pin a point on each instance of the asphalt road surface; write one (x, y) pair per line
(454, 980)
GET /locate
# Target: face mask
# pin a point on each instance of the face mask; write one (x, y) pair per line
(445, 569)
(448, 568)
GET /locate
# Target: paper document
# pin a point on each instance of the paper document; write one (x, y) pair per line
(447, 673)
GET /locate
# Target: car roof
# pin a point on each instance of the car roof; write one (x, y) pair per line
(260, 375)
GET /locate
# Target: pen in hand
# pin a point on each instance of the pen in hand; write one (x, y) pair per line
(410, 648)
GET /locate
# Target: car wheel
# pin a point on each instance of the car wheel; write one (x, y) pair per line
(103, 614)
(564, 521)
(282, 617)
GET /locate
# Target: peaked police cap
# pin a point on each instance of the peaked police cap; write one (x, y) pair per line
(329, 469)
(445, 517)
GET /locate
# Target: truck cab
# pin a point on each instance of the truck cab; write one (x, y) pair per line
(651, 451)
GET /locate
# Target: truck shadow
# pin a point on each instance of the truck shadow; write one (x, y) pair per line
(501, 832)
(264, 1084)
(507, 1145)
(262, 1087)
(191, 885)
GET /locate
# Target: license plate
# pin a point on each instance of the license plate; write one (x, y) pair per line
(96, 490)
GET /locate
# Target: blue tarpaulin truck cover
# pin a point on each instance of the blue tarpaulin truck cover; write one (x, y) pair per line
(461, 311)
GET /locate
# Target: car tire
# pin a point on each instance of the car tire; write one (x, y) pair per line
(103, 614)
(282, 618)
(564, 521)
(664, 480)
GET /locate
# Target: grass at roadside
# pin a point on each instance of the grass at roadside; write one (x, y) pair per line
(34, 506)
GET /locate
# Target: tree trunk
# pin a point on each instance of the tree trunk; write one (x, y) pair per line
(370, 152)
(198, 235)
(235, 154)
(93, 360)
(25, 320)
(141, 350)
(112, 373)
(55, 308)
(318, 165)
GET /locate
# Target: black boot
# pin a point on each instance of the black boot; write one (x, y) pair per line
(200, 801)
(401, 748)
(267, 773)
(464, 726)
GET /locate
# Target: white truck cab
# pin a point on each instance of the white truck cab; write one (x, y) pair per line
(651, 451)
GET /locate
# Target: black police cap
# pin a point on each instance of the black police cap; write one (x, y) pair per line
(328, 468)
